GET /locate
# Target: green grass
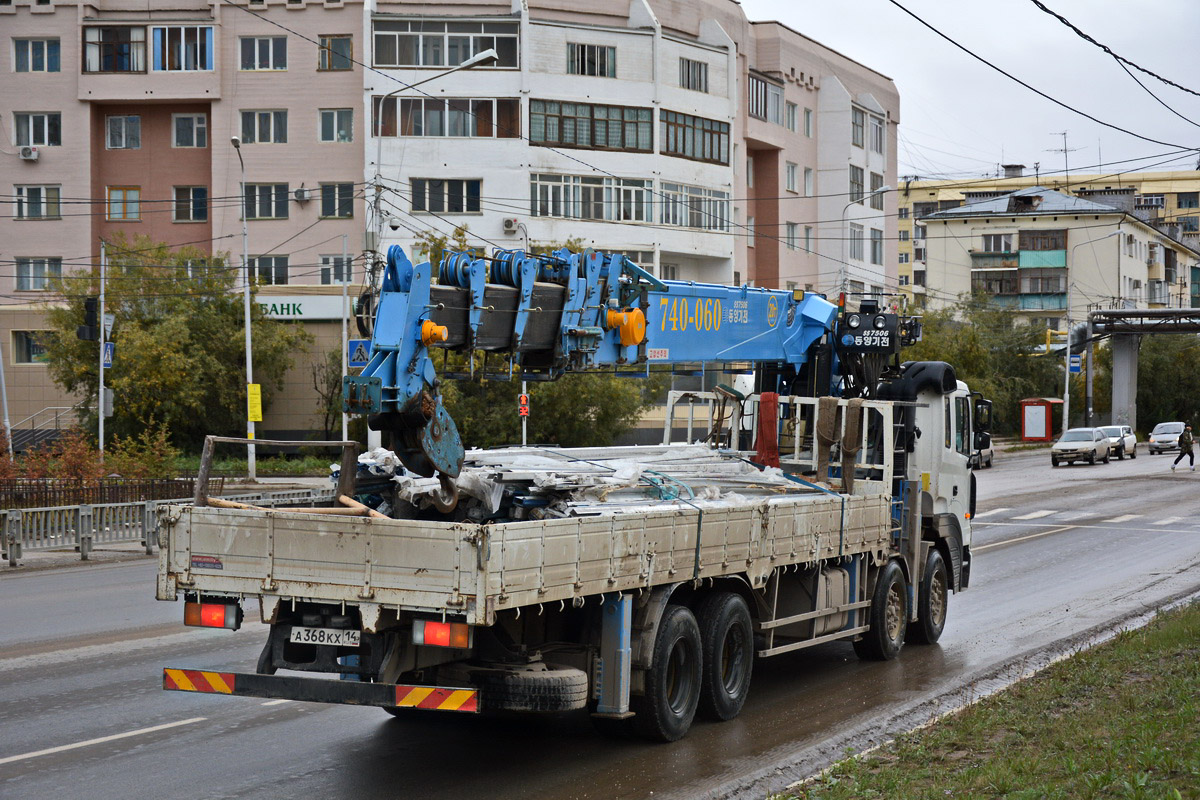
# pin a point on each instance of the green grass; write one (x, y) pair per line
(1119, 721)
(271, 466)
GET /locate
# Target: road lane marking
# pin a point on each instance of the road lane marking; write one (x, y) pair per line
(1036, 515)
(989, 513)
(1024, 538)
(1166, 521)
(101, 740)
(276, 702)
(1124, 518)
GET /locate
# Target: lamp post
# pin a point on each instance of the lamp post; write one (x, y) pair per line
(842, 274)
(1067, 356)
(250, 465)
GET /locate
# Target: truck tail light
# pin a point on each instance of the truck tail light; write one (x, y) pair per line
(213, 615)
(442, 634)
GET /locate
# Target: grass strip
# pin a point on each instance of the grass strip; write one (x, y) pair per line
(275, 466)
(1121, 720)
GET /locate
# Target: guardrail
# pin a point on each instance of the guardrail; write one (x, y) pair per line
(84, 526)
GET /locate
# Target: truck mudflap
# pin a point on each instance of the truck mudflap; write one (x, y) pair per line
(320, 690)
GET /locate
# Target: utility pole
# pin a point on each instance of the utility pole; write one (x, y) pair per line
(101, 337)
(4, 403)
(345, 276)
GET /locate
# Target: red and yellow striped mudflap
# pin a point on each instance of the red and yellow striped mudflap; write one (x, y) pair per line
(194, 680)
(432, 697)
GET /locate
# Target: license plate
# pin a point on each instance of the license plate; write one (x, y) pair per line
(337, 637)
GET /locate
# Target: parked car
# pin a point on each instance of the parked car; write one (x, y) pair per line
(1080, 444)
(1122, 441)
(1164, 437)
(982, 458)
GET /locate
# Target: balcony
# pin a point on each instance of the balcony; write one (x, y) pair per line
(1041, 302)
(165, 63)
(982, 260)
(1031, 259)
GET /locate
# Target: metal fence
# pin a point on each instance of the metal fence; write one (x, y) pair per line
(36, 493)
(82, 527)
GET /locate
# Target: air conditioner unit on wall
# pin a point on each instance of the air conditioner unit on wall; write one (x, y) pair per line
(28, 153)
(302, 194)
(511, 224)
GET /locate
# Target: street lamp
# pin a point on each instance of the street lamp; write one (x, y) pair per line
(1067, 356)
(842, 274)
(250, 465)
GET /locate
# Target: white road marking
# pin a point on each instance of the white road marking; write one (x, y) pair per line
(1036, 515)
(101, 740)
(276, 702)
(989, 513)
(1166, 521)
(1124, 518)
(1023, 538)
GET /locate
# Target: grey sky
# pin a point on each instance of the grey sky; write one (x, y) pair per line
(961, 118)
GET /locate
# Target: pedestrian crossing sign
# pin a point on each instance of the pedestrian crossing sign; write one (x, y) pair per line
(358, 352)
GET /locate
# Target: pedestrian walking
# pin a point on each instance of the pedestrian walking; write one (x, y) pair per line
(1185, 448)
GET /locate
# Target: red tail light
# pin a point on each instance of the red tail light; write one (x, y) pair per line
(442, 634)
(212, 615)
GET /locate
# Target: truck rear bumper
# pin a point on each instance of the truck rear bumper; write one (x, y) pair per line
(319, 690)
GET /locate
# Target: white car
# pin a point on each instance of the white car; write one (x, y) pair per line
(1122, 441)
(1080, 444)
(1165, 436)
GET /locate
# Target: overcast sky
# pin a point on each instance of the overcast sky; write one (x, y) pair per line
(960, 118)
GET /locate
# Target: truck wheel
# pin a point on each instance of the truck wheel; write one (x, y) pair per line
(665, 711)
(727, 645)
(931, 602)
(887, 617)
(554, 688)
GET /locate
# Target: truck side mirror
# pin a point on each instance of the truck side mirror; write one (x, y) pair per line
(983, 440)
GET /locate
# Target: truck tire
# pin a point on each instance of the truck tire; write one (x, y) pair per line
(666, 710)
(887, 617)
(553, 689)
(727, 647)
(931, 602)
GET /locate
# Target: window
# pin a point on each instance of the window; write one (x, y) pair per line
(337, 200)
(997, 243)
(809, 177)
(876, 246)
(1187, 199)
(1149, 201)
(792, 113)
(1043, 281)
(808, 235)
(442, 196)
(1043, 240)
(695, 137)
(919, 232)
(337, 125)
(480, 118)
(124, 133)
(336, 269)
(586, 197)
(856, 184)
(183, 48)
(877, 134)
(38, 129)
(38, 202)
(789, 176)
(856, 241)
(420, 43)
(269, 269)
(264, 52)
(902, 212)
(751, 232)
(670, 272)
(589, 126)
(124, 202)
(903, 236)
(918, 255)
(33, 274)
(191, 203)
(190, 130)
(114, 49)
(918, 277)
(28, 347)
(36, 55)
(694, 207)
(591, 59)
(750, 171)
(923, 209)
(693, 75)
(903, 260)
(858, 125)
(266, 201)
(1190, 224)
(264, 127)
(336, 53)
(994, 281)
(790, 231)
(765, 100)
(808, 122)
(876, 195)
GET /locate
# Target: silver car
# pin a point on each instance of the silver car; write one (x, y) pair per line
(1080, 444)
(1122, 441)
(1164, 437)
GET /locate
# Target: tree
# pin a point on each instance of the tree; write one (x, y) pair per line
(327, 380)
(180, 342)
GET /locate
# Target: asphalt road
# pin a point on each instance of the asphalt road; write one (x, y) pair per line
(1060, 554)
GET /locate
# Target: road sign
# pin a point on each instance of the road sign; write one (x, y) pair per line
(110, 350)
(358, 352)
(254, 402)
(1076, 364)
(108, 323)
(523, 405)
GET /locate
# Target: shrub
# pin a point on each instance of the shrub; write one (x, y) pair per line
(148, 455)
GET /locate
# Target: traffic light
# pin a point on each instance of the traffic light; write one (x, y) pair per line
(89, 331)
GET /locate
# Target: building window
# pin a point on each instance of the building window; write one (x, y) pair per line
(269, 269)
(670, 272)
(190, 130)
(482, 118)
(997, 243)
(790, 231)
(1149, 201)
(336, 269)
(591, 198)
(751, 231)
(856, 241)
(28, 347)
(183, 48)
(38, 202)
(902, 212)
(994, 281)
(750, 171)
(38, 129)
(918, 277)
(903, 236)
(919, 232)
(695, 137)
(420, 43)
(337, 125)
(34, 274)
(1043, 281)
(440, 196)
(858, 127)
(789, 176)
(765, 100)
(903, 260)
(1043, 240)
(36, 55)
(877, 134)
(856, 184)
(809, 178)
(124, 133)
(792, 114)
(266, 201)
(264, 127)
(876, 195)
(1187, 199)
(591, 59)
(808, 238)
(114, 49)
(590, 126)
(337, 200)
(264, 52)
(191, 204)
(808, 122)
(124, 202)
(693, 75)
(876, 246)
(336, 54)
(694, 207)
(1190, 224)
